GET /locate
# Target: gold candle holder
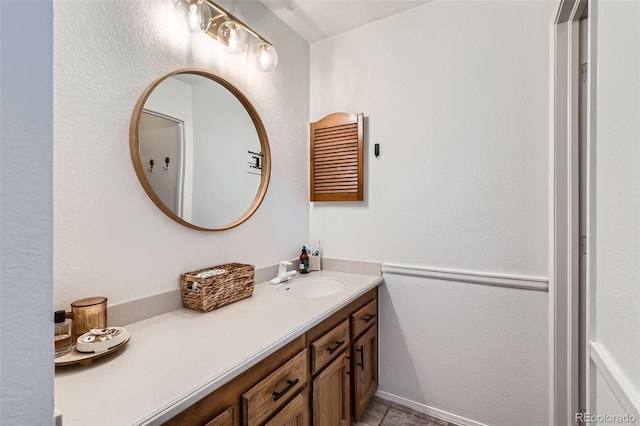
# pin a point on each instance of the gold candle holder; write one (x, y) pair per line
(88, 313)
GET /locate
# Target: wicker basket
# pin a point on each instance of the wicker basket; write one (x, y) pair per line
(212, 288)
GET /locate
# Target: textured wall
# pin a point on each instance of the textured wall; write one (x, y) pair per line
(617, 240)
(110, 239)
(26, 324)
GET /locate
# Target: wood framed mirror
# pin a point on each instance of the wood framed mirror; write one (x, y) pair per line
(200, 150)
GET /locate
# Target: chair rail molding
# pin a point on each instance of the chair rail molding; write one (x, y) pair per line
(471, 277)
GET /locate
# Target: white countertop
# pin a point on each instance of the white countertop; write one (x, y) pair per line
(177, 358)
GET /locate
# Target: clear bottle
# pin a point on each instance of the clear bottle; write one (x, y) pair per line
(61, 333)
(304, 261)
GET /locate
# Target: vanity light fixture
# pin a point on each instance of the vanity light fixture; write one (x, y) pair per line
(215, 21)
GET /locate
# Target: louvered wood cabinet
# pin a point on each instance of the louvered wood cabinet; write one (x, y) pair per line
(326, 376)
(337, 158)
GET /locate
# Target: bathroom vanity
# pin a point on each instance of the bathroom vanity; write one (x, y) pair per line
(273, 359)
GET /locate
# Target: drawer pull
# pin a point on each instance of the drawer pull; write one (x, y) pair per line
(290, 384)
(369, 317)
(336, 346)
(361, 363)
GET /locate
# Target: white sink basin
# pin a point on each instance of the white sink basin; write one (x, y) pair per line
(310, 288)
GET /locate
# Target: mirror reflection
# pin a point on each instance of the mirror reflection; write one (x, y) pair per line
(200, 151)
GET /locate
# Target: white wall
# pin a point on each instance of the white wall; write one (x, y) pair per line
(617, 240)
(110, 239)
(26, 185)
(476, 352)
(608, 404)
(458, 100)
(223, 135)
(457, 95)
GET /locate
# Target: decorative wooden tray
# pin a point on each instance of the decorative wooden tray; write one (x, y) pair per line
(85, 358)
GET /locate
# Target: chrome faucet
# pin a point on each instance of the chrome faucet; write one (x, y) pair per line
(283, 274)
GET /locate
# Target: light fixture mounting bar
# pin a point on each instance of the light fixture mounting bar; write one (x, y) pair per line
(226, 15)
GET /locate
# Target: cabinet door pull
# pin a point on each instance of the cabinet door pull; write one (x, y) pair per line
(336, 346)
(369, 317)
(361, 363)
(290, 384)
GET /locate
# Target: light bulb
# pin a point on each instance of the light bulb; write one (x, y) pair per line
(267, 56)
(196, 13)
(233, 36)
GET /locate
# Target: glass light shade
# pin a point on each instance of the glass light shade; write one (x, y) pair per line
(233, 36)
(196, 13)
(267, 56)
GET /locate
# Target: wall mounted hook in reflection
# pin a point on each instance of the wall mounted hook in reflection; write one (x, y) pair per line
(166, 162)
(151, 163)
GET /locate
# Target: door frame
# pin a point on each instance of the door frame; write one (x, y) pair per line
(182, 149)
(564, 210)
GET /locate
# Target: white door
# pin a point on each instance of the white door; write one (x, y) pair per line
(160, 143)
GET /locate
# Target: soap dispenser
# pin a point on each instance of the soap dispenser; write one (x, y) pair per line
(304, 261)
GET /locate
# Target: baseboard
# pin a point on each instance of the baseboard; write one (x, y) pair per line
(422, 408)
(618, 382)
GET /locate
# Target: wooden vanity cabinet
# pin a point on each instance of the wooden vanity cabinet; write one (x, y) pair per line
(230, 394)
(326, 376)
(342, 392)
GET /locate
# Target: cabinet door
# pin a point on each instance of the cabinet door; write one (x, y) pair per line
(295, 413)
(228, 417)
(331, 395)
(365, 370)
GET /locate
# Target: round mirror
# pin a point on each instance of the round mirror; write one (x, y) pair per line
(200, 150)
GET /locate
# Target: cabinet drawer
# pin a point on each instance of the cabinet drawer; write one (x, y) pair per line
(330, 345)
(364, 317)
(295, 413)
(226, 418)
(275, 390)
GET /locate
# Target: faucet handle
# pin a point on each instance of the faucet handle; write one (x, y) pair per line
(282, 269)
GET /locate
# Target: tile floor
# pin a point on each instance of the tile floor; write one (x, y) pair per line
(385, 413)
